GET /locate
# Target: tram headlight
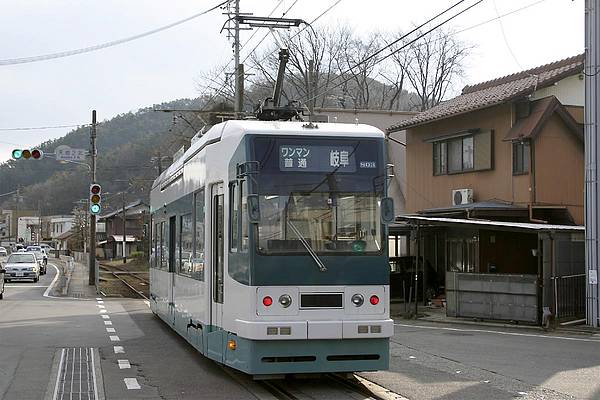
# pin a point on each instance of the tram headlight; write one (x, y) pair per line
(358, 300)
(285, 300)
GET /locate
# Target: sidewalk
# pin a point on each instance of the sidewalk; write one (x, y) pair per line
(438, 315)
(74, 279)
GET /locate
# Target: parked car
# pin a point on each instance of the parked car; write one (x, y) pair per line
(22, 266)
(3, 252)
(41, 256)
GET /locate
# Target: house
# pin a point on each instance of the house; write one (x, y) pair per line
(59, 224)
(135, 230)
(495, 194)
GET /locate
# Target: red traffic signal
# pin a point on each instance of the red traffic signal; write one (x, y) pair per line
(36, 154)
(95, 188)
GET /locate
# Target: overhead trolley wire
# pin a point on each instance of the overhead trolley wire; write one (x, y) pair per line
(402, 47)
(68, 53)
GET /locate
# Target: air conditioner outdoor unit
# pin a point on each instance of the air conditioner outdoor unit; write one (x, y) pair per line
(462, 196)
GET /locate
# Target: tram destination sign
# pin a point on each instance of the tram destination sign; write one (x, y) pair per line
(317, 158)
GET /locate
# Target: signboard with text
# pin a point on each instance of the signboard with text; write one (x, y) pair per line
(66, 153)
(317, 158)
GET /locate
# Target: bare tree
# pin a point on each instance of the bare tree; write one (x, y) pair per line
(435, 62)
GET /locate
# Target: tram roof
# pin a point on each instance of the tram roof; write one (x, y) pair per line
(239, 128)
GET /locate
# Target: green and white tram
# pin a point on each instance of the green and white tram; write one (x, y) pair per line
(269, 247)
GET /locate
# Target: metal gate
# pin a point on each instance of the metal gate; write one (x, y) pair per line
(569, 296)
(492, 296)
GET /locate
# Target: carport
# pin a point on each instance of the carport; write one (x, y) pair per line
(498, 270)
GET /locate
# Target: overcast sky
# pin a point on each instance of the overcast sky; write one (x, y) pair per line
(164, 66)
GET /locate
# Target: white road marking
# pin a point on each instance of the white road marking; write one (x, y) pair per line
(107, 322)
(46, 293)
(114, 338)
(118, 349)
(500, 333)
(124, 364)
(105, 316)
(147, 303)
(100, 302)
(110, 330)
(27, 286)
(98, 298)
(131, 383)
(100, 306)
(62, 357)
(102, 311)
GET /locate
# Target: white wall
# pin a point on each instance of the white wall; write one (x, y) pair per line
(569, 91)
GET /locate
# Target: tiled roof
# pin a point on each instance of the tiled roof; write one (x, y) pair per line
(541, 111)
(497, 91)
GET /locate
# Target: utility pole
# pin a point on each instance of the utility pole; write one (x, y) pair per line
(17, 216)
(237, 107)
(39, 222)
(124, 226)
(92, 238)
(592, 170)
(311, 66)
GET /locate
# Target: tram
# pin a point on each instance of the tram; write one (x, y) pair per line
(269, 247)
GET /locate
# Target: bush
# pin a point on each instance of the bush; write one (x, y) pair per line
(138, 255)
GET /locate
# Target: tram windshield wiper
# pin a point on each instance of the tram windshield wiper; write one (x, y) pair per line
(306, 245)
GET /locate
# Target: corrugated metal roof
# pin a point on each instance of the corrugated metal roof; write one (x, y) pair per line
(500, 224)
(497, 91)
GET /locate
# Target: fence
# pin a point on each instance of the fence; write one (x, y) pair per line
(492, 296)
(569, 296)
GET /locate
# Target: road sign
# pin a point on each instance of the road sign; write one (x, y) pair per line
(66, 153)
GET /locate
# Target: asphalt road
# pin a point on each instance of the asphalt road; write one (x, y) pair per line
(35, 329)
(436, 361)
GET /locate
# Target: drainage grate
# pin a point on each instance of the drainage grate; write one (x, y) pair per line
(76, 379)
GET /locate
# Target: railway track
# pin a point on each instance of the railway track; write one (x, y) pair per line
(136, 284)
(329, 386)
(314, 387)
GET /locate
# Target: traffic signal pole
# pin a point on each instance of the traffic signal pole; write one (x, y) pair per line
(92, 238)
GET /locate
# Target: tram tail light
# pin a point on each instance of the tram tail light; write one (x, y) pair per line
(267, 301)
(374, 300)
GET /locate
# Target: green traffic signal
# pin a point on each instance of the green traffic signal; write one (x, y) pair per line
(17, 153)
(95, 209)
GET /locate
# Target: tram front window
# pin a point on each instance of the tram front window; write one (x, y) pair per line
(329, 223)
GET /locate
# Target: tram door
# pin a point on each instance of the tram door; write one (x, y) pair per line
(172, 266)
(218, 257)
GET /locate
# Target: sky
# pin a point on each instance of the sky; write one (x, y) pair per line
(166, 66)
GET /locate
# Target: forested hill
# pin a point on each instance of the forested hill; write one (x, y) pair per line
(126, 145)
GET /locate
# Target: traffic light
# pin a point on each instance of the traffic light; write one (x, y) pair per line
(95, 198)
(36, 154)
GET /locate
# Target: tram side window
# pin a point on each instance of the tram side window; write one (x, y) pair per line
(244, 216)
(197, 271)
(164, 250)
(186, 246)
(153, 262)
(234, 213)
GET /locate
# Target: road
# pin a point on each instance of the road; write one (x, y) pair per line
(34, 329)
(117, 349)
(437, 361)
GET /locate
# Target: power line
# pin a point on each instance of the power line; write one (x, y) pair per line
(401, 47)
(512, 54)
(34, 128)
(44, 57)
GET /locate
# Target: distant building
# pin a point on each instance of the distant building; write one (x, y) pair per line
(136, 220)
